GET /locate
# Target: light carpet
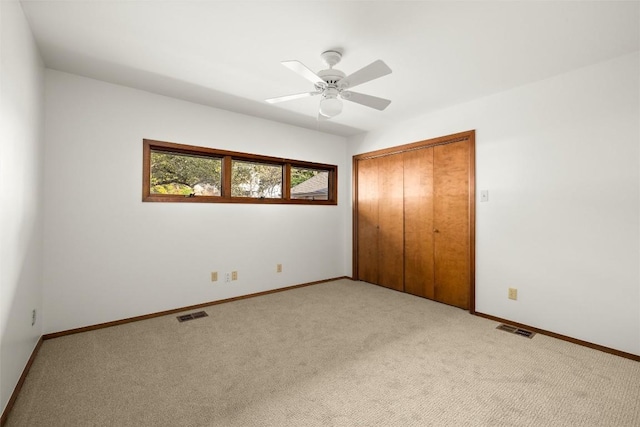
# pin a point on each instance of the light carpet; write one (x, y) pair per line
(340, 353)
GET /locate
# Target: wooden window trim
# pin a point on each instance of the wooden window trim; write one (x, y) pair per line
(225, 192)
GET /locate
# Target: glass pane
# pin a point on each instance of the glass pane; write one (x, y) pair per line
(258, 180)
(309, 184)
(185, 174)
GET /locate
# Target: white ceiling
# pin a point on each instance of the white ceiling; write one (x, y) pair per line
(227, 54)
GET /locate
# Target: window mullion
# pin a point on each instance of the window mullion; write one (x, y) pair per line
(286, 182)
(226, 177)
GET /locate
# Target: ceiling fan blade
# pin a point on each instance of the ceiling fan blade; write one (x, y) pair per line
(366, 100)
(290, 97)
(370, 72)
(300, 68)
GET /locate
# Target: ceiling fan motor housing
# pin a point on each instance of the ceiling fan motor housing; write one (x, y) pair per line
(331, 76)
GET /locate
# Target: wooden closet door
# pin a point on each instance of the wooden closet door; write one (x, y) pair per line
(451, 223)
(368, 220)
(418, 223)
(391, 222)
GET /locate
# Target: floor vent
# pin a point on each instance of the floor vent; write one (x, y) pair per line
(514, 330)
(197, 315)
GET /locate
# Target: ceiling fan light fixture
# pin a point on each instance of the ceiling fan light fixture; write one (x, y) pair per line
(330, 107)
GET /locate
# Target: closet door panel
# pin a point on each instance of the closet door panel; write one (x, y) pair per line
(368, 220)
(451, 216)
(391, 222)
(418, 223)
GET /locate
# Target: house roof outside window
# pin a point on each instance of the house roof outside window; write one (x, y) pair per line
(315, 188)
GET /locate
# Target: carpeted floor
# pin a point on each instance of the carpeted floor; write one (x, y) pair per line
(341, 353)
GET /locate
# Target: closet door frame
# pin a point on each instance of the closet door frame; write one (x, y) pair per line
(448, 139)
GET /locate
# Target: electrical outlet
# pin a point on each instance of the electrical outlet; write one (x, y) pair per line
(234, 275)
(513, 293)
(279, 268)
(214, 276)
(227, 277)
(33, 317)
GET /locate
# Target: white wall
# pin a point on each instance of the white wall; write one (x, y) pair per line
(110, 256)
(560, 159)
(21, 144)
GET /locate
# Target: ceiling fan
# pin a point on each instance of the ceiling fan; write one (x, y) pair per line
(333, 85)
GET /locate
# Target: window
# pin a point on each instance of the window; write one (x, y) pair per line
(185, 173)
(251, 179)
(309, 184)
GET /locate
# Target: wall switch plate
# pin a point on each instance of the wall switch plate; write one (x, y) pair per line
(214, 276)
(279, 268)
(227, 277)
(484, 195)
(234, 275)
(513, 293)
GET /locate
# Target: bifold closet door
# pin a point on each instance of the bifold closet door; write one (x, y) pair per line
(368, 220)
(391, 221)
(419, 273)
(451, 213)
(380, 221)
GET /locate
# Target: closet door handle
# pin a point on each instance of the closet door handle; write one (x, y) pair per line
(435, 230)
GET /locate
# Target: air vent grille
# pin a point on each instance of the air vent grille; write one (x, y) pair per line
(191, 316)
(514, 330)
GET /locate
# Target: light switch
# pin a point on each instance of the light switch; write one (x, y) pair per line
(484, 195)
